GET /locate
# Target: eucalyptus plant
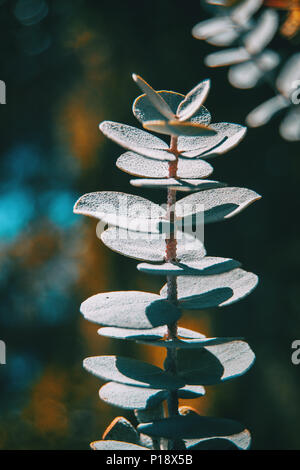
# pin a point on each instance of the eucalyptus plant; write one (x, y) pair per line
(166, 242)
(251, 61)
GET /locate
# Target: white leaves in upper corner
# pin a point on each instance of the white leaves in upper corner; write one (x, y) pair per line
(248, 74)
(250, 62)
(288, 85)
(137, 140)
(226, 28)
(257, 62)
(263, 32)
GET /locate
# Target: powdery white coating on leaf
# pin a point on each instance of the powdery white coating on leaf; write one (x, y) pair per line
(122, 210)
(248, 74)
(260, 36)
(227, 137)
(191, 426)
(139, 165)
(227, 57)
(147, 335)
(130, 397)
(131, 372)
(144, 110)
(193, 100)
(214, 363)
(218, 204)
(155, 98)
(190, 266)
(240, 441)
(201, 292)
(187, 185)
(120, 429)
(179, 128)
(129, 309)
(144, 247)
(137, 140)
(115, 445)
(264, 112)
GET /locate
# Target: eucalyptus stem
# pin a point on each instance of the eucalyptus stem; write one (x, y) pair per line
(171, 253)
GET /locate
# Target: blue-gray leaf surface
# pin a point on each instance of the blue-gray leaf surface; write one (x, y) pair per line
(239, 441)
(130, 397)
(216, 363)
(213, 291)
(129, 309)
(191, 426)
(131, 372)
(148, 334)
(190, 266)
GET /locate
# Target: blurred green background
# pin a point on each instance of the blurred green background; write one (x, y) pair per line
(67, 67)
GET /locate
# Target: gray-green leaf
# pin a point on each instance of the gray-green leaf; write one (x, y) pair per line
(137, 140)
(191, 426)
(129, 309)
(213, 291)
(131, 372)
(193, 101)
(138, 165)
(215, 363)
(154, 97)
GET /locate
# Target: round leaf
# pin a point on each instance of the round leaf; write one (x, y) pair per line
(131, 398)
(190, 266)
(137, 140)
(129, 309)
(178, 184)
(201, 292)
(131, 372)
(138, 165)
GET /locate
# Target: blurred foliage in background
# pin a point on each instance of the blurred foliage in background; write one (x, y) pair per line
(67, 66)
